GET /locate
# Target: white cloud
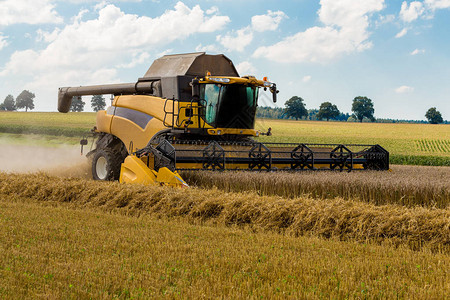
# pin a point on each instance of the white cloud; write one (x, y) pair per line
(139, 58)
(90, 51)
(345, 31)
(236, 40)
(47, 37)
(95, 42)
(28, 12)
(417, 51)
(402, 33)
(212, 10)
(385, 20)
(412, 12)
(3, 41)
(437, 4)
(306, 78)
(404, 89)
(269, 21)
(245, 68)
(207, 48)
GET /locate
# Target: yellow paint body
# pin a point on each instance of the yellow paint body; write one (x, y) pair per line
(164, 113)
(134, 170)
(135, 119)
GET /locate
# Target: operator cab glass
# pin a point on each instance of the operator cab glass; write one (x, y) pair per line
(229, 106)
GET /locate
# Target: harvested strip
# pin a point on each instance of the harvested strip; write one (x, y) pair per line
(338, 218)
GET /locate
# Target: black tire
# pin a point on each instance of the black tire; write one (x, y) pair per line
(106, 164)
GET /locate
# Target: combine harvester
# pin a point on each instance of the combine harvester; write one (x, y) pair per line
(194, 112)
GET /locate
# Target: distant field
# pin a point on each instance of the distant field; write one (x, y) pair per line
(47, 123)
(406, 139)
(84, 120)
(415, 144)
(421, 144)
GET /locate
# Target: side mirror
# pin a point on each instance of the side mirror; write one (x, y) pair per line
(195, 88)
(274, 91)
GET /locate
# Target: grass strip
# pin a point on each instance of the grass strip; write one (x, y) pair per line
(334, 218)
(419, 160)
(43, 130)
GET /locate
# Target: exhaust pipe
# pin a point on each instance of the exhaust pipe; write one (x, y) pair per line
(65, 94)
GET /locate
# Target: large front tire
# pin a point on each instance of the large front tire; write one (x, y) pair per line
(106, 164)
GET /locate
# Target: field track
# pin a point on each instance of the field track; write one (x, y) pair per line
(417, 227)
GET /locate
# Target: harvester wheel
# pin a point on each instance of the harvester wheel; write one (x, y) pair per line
(106, 165)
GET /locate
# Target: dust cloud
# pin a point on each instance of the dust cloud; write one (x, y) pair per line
(64, 161)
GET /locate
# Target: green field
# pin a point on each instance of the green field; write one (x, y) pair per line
(420, 144)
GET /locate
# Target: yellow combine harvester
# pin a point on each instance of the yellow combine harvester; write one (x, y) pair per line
(193, 112)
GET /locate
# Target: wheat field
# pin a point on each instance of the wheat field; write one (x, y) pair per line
(403, 185)
(416, 227)
(76, 238)
(232, 235)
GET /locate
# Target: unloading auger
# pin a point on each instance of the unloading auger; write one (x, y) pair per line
(193, 112)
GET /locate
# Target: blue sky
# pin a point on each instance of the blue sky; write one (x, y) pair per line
(395, 52)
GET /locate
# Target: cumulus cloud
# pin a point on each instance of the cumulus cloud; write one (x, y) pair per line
(46, 36)
(90, 51)
(404, 89)
(3, 41)
(437, 4)
(385, 20)
(212, 10)
(412, 12)
(236, 40)
(94, 43)
(139, 58)
(28, 12)
(417, 51)
(269, 21)
(402, 33)
(421, 9)
(207, 48)
(345, 30)
(245, 68)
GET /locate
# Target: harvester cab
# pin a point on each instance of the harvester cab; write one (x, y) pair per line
(193, 112)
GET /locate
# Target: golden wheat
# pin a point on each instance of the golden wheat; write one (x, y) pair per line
(405, 185)
(59, 253)
(339, 218)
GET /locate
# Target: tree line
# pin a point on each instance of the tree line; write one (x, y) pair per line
(26, 100)
(362, 108)
(97, 103)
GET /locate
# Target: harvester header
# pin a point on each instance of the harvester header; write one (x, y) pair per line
(193, 112)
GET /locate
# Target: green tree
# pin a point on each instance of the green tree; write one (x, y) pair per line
(295, 108)
(8, 104)
(25, 100)
(77, 104)
(363, 107)
(434, 116)
(98, 102)
(328, 111)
